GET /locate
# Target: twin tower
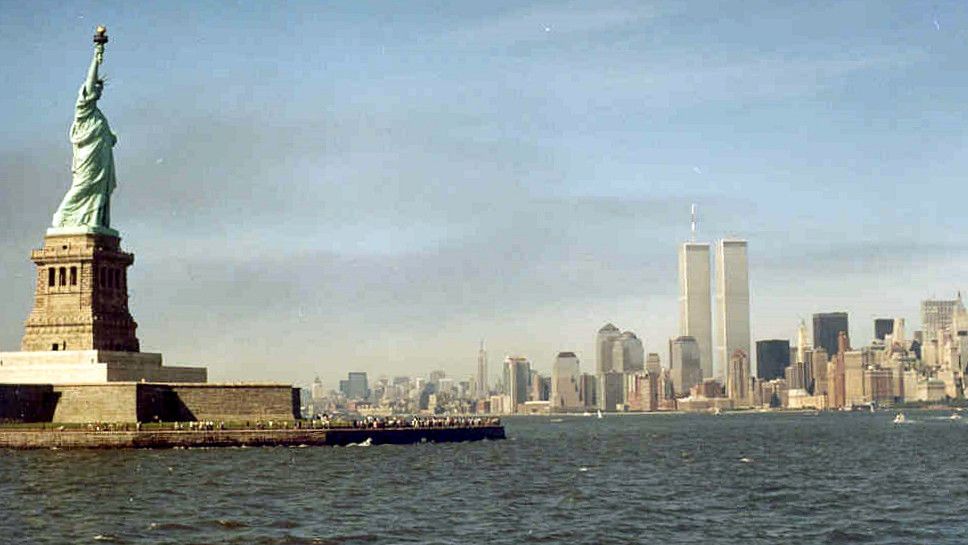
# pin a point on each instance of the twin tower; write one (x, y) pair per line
(732, 302)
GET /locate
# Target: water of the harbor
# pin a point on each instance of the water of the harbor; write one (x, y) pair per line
(733, 478)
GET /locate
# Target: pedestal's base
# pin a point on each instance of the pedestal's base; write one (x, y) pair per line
(82, 230)
(91, 367)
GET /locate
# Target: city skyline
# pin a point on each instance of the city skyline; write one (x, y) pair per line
(399, 248)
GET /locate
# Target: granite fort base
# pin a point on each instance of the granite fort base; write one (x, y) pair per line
(147, 402)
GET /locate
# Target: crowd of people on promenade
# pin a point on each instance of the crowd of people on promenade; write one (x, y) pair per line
(324, 421)
(395, 422)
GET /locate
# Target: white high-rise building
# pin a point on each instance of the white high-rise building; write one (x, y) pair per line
(803, 344)
(695, 301)
(517, 380)
(732, 301)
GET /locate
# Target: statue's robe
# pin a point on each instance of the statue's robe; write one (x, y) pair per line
(88, 202)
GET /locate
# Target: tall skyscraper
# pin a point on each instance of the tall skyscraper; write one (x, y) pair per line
(482, 387)
(772, 358)
(684, 364)
(826, 329)
(936, 315)
(318, 391)
(959, 319)
(628, 354)
(836, 385)
(517, 380)
(695, 302)
(588, 390)
(732, 300)
(799, 376)
(738, 378)
(803, 346)
(607, 336)
(355, 386)
(566, 383)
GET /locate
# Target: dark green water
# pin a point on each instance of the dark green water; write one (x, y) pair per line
(743, 479)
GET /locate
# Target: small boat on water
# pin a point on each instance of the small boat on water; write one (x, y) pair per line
(900, 419)
(954, 416)
(586, 413)
(600, 414)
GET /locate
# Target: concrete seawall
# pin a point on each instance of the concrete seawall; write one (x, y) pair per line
(82, 439)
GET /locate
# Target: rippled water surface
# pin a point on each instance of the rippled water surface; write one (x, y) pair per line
(750, 478)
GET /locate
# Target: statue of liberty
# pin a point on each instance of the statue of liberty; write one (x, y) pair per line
(87, 205)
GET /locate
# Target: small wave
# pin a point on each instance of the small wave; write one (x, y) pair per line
(170, 526)
(367, 443)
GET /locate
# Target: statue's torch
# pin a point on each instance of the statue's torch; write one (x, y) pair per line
(101, 36)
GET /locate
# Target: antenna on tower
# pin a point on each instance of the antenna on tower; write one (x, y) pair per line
(693, 222)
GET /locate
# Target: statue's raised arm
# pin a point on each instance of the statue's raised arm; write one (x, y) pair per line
(93, 83)
(87, 205)
(90, 91)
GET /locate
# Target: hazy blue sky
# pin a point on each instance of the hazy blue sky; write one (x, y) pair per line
(316, 188)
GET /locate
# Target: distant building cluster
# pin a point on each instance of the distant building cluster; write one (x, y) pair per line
(822, 370)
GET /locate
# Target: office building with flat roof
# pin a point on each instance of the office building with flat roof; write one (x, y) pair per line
(732, 300)
(695, 301)
(826, 328)
(772, 358)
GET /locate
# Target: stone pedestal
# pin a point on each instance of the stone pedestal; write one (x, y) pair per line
(81, 295)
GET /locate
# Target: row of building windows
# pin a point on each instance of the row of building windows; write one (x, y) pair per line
(53, 276)
(67, 276)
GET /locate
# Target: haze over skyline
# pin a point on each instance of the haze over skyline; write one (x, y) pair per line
(375, 187)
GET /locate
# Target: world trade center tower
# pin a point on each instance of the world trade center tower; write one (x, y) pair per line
(732, 301)
(695, 302)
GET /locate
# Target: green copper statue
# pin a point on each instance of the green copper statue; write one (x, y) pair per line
(87, 205)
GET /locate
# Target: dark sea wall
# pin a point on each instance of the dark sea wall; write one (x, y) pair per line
(27, 402)
(70, 439)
